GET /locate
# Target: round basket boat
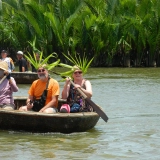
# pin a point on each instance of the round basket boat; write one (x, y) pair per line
(40, 122)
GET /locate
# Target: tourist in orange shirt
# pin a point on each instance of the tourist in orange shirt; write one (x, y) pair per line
(36, 91)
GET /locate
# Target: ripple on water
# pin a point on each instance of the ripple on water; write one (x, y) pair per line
(129, 97)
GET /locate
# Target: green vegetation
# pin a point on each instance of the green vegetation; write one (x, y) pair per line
(77, 62)
(42, 62)
(114, 32)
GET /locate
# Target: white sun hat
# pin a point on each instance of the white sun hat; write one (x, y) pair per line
(20, 52)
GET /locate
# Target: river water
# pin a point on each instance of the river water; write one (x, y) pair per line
(129, 97)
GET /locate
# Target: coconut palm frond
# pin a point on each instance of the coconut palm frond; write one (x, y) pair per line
(42, 62)
(33, 44)
(45, 60)
(67, 73)
(54, 64)
(31, 59)
(87, 64)
(65, 65)
(81, 63)
(70, 58)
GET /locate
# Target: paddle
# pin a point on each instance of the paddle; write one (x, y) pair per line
(99, 111)
(95, 107)
(2, 79)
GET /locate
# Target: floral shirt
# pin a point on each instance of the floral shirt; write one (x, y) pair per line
(76, 97)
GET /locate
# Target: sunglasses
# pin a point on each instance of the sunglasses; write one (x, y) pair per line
(40, 70)
(80, 72)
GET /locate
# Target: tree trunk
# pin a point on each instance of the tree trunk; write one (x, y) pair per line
(127, 61)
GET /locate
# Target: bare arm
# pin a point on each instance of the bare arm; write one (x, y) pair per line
(23, 69)
(88, 90)
(29, 101)
(13, 85)
(65, 92)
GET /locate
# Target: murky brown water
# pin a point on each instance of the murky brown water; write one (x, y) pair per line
(130, 97)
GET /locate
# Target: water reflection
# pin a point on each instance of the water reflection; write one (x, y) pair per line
(50, 145)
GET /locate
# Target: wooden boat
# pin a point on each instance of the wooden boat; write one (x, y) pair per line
(24, 77)
(40, 122)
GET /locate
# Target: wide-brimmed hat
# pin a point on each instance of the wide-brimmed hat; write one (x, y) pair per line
(20, 52)
(3, 65)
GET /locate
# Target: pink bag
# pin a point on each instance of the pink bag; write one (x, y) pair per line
(65, 108)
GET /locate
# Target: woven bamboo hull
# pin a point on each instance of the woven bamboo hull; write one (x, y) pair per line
(40, 122)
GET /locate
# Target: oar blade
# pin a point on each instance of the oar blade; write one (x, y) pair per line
(97, 109)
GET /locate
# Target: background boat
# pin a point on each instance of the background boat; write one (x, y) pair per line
(24, 77)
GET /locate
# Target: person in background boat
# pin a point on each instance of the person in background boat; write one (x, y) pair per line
(36, 91)
(8, 60)
(37, 54)
(75, 102)
(7, 87)
(23, 66)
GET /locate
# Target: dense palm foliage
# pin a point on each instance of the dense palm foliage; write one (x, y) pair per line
(115, 32)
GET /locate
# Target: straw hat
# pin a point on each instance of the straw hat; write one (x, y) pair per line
(3, 65)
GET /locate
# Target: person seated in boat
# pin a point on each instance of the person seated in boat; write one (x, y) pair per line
(75, 101)
(23, 64)
(8, 60)
(43, 93)
(7, 87)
